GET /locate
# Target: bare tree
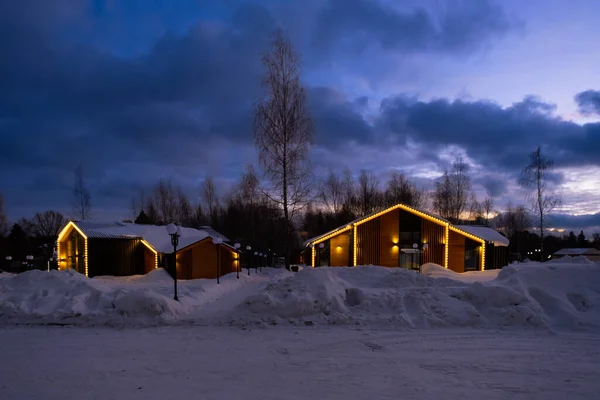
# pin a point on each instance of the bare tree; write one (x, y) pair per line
(514, 221)
(184, 209)
(3, 219)
(451, 195)
(283, 131)
(401, 190)
(441, 196)
(47, 223)
(487, 208)
(82, 206)
(475, 209)
(535, 178)
(332, 192)
(210, 199)
(368, 194)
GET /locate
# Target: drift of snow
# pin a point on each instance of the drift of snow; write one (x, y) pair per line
(553, 295)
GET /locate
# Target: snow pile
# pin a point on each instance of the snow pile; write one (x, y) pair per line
(67, 297)
(550, 296)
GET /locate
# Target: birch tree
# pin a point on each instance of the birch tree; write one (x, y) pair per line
(535, 178)
(283, 132)
(82, 204)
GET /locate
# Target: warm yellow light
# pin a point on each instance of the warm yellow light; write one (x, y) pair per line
(149, 246)
(313, 256)
(338, 248)
(85, 257)
(355, 246)
(406, 208)
(467, 234)
(446, 246)
(483, 257)
(332, 234)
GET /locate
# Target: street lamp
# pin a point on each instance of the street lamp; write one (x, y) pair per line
(248, 248)
(175, 232)
(237, 270)
(254, 259)
(217, 241)
(29, 259)
(265, 260)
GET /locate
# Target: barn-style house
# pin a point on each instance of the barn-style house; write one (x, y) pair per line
(402, 236)
(117, 248)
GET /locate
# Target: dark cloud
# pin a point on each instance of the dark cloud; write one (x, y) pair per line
(461, 26)
(492, 135)
(574, 222)
(495, 186)
(589, 102)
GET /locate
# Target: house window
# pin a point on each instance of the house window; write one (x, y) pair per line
(471, 255)
(324, 254)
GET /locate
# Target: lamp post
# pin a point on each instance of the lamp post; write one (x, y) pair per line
(254, 259)
(217, 241)
(248, 248)
(174, 231)
(8, 261)
(29, 260)
(260, 260)
(265, 261)
(237, 270)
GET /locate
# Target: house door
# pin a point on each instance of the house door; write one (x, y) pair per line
(410, 259)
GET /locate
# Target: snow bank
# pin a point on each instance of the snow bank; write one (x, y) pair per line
(67, 297)
(550, 296)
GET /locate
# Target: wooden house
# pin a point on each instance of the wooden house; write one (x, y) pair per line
(98, 248)
(402, 236)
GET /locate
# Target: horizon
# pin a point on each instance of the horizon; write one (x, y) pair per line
(390, 87)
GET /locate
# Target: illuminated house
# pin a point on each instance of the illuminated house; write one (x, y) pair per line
(120, 249)
(402, 236)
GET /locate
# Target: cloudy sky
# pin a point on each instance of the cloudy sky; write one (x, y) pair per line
(138, 90)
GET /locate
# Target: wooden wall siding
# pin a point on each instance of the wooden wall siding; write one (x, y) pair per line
(116, 257)
(199, 261)
(388, 235)
(368, 243)
(149, 260)
(496, 257)
(434, 235)
(456, 254)
(338, 248)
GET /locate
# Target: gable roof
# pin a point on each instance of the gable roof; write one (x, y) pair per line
(424, 214)
(155, 235)
(486, 233)
(481, 233)
(578, 252)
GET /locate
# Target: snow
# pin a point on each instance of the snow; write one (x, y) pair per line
(486, 233)
(214, 363)
(156, 235)
(527, 331)
(551, 296)
(577, 251)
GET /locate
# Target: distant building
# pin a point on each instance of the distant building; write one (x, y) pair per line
(117, 248)
(589, 253)
(402, 236)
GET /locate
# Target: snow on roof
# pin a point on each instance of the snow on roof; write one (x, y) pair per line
(577, 252)
(156, 235)
(485, 233)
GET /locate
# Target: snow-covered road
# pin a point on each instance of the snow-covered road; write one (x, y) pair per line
(189, 362)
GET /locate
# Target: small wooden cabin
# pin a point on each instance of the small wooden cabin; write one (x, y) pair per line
(115, 248)
(402, 236)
